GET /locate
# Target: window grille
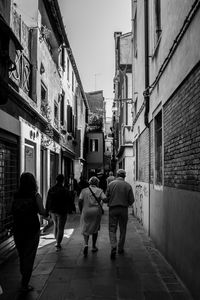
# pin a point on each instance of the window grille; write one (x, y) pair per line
(8, 185)
(93, 145)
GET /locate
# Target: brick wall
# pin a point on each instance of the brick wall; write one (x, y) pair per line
(151, 154)
(144, 156)
(182, 135)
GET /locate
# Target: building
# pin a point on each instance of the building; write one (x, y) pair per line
(95, 143)
(9, 127)
(122, 106)
(108, 145)
(166, 129)
(40, 128)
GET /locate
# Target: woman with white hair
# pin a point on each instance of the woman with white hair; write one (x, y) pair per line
(90, 200)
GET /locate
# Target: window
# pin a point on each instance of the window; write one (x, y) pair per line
(93, 145)
(69, 119)
(72, 81)
(43, 93)
(62, 58)
(44, 101)
(8, 184)
(68, 69)
(56, 114)
(62, 108)
(158, 149)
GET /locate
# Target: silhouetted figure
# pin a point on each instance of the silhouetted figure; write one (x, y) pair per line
(102, 182)
(72, 191)
(25, 208)
(83, 183)
(110, 177)
(58, 203)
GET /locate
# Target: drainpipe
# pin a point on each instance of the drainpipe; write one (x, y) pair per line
(146, 92)
(146, 58)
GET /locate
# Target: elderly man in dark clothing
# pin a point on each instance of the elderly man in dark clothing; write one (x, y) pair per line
(58, 203)
(119, 198)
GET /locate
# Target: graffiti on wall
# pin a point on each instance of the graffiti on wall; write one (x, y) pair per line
(141, 196)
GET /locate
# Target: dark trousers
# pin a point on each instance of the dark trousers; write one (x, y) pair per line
(27, 248)
(59, 226)
(118, 216)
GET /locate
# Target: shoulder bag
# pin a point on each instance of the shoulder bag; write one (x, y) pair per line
(102, 210)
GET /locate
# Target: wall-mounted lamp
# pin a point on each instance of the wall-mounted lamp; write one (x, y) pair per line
(127, 100)
(114, 109)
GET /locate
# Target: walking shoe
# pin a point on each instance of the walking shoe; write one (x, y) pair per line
(85, 250)
(113, 253)
(120, 251)
(26, 289)
(58, 247)
(95, 249)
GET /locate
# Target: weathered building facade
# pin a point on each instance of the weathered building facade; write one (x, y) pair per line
(40, 128)
(122, 117)
(95, 143)
(166, 129)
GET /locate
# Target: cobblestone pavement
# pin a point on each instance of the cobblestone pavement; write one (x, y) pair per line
(141, 273)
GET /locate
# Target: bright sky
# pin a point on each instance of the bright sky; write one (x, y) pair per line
(90, 27)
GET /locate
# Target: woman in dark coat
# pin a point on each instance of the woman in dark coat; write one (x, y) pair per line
(26, 228)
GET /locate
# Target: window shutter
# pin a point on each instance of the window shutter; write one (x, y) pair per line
(69, 118)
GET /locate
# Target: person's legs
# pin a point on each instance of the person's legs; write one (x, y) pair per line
(113, 222)
(86, 240)
(27, 251)
(94, 240)
(123, 219)
(61, 220)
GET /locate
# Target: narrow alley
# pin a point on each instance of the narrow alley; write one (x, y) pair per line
(141, 273)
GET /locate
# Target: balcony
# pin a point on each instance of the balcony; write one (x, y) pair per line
(21, 75)
(22, 70)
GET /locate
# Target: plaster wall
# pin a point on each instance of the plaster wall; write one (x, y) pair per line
(50, 78)
(125, 49)
(138, 60)
(81, 118)
(9, 123)
(128, 153)
(175, 230)
(23, 8)
(67, 82)
(5, 9)
(186, 56)
(95, 158)
(138, 69)
(141, 204)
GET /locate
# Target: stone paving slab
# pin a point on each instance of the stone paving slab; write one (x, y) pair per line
(140, 274)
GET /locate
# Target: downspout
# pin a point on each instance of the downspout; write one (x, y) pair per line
(146, 92)
(146, 58)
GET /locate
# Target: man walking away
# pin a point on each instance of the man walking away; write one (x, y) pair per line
(110, 177)
(119, 198)
(58, 203)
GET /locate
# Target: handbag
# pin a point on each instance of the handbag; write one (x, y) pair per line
(102, 210)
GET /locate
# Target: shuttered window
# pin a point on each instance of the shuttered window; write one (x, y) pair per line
(8, 185)
(69, 118)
